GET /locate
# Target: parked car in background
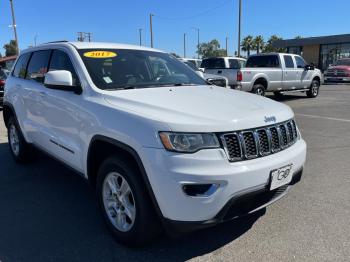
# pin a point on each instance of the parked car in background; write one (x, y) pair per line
(161, 147)
(195, 61)
(224, 66)
(279, 73)
(339, 72)
(3, 75)
(213, 79)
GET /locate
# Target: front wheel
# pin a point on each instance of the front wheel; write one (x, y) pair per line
(258, 89)
(314, 89)
(125, 204)
(20, 149)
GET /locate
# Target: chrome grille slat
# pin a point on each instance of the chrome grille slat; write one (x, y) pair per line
(259, 142)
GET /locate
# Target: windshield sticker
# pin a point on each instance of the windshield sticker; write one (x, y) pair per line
(107, 79)
(100, 54)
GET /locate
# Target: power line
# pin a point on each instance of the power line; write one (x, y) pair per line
(196, 15)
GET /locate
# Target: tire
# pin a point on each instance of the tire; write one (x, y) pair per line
(20, 149)
(314, 89)
(128, 213)
(258, 89)
(278, 94)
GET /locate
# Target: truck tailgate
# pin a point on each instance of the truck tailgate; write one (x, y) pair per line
(230, 74)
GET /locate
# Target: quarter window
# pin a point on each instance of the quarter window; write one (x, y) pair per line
(288, 60)
(300, 62)
(61, 61)
(21, 66)
(38, 64)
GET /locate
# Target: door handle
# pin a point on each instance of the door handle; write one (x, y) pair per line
(219, 72)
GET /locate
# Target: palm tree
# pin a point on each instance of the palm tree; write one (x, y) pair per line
(258, 43)
(269, 47)
(247, 44)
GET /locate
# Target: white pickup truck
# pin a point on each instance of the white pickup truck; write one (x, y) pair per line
(279, 73)
(227, 67)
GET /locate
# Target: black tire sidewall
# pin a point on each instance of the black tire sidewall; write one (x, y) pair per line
(309, 93)
(256, 87)
(22, 155)
(145, 225)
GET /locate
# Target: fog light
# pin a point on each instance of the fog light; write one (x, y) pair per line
(200, 190)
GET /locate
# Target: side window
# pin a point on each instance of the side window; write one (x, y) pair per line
(300, 62)
(38, 64)
(233, 64)
(61, 61)
(288, 60)
(21, 66)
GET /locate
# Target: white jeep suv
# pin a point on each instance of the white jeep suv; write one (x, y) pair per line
(162, 148)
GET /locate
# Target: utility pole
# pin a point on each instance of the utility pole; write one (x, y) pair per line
(184, 45)
(35, 37)
(197, 29)
(89, 36)
(80, 37)
(226, 46)
(83, 35)
(140, 36)
(14, 27)
(151, 28)
(239, 28)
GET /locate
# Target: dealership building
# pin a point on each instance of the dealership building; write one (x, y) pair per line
(321, 50)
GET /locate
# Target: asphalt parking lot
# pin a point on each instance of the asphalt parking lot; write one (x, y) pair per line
(47, 213)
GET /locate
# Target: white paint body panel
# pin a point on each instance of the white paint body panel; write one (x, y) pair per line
(134, 117)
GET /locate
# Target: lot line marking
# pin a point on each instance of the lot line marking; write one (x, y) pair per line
(325, 117)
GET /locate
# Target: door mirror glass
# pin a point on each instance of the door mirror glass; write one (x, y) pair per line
(61, 80)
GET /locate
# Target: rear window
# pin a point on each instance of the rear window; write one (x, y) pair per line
(234, 64)
(21, 66)
(263, 61)
(213, 63)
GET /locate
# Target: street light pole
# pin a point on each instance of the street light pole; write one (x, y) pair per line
(239, 28)
(197, 29)
(226, 46)
(151, 28)
(184, 45)
(140, 35)
(14, 26)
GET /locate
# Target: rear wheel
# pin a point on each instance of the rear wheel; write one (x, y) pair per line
(125, 204)
(259, 90)
(20, 149)
(314, 89)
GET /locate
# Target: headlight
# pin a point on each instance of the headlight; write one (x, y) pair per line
(188, 142)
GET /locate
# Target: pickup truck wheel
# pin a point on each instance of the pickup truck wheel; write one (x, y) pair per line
(18, 146)
(314, 89)
(259, 90)
(125, 204)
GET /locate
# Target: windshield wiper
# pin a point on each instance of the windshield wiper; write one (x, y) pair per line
(120, 88)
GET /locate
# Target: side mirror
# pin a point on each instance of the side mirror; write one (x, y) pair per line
(61, 80)
(309, 67)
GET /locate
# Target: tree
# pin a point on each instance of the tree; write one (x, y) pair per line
(258, 43)
(247, 44)
(211, 49)
(269, 45)
(11, 48)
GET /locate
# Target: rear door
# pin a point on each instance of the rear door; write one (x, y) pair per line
(290, 73)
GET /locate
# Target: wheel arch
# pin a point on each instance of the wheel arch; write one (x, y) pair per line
(7, 112)
(261, 80)
(101, 147)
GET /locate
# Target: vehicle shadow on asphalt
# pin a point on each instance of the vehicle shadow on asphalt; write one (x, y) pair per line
(286, 97)
(49, 213)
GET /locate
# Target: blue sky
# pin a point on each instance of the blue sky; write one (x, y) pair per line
(118, 21)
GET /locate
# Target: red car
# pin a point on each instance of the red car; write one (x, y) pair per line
(339, 72)
(3, 76)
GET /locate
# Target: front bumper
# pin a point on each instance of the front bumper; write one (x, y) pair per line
(168, 172)
(336, 79)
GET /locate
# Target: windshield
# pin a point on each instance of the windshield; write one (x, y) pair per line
(113, 69)
(344, 62)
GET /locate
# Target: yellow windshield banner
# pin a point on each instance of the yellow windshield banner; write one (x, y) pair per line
(100, 54)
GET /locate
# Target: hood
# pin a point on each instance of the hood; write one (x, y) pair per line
(200, 108)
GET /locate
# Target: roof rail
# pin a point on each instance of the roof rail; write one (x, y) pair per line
(59, 41)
